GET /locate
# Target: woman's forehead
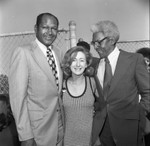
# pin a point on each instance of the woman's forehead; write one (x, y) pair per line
(78, 54)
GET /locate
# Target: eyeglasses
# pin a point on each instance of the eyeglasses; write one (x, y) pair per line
(98, 42)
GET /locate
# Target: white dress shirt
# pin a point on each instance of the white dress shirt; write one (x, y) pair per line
(113, 58)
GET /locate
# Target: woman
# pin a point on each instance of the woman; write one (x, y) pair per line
(78, 98)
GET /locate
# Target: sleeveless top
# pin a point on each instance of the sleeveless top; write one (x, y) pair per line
(78, 116)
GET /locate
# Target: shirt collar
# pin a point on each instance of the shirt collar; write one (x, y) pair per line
(113, 54)
(41, 45)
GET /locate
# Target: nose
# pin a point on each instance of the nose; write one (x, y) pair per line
(49, 30)
(96, 47)
(78, 63)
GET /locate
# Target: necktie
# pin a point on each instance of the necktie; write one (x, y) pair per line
(107, 77)
(52, 64)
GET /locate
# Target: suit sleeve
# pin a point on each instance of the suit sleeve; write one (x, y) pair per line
(143, 82)
(18, 82)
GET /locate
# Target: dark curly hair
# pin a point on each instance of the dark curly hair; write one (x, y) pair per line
(84, 44)
(145, 51)
(69, 56)
(5, 112)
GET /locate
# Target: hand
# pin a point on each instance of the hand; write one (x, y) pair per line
(29, 142)
(147, 126)
(148, 116)
(89, 72)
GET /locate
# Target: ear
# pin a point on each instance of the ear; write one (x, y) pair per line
(35, 28)
(112, 41)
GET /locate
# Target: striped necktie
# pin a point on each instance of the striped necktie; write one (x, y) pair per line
(52, 64)
(107, 77)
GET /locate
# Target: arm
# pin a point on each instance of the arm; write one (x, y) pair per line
(99, 103)
(18, 82)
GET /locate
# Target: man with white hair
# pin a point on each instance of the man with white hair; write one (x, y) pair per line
(118, 122)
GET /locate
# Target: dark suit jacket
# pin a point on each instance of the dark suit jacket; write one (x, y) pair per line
(122, 104)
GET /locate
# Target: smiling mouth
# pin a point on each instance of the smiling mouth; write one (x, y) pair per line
(48, 38)
(78, 69)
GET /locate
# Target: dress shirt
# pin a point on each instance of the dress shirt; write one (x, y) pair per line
(113, 57)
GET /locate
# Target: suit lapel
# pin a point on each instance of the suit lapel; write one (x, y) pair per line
(121, 68)
(42, 62)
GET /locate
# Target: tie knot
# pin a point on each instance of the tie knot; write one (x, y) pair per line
(48, 49)
(107, 60)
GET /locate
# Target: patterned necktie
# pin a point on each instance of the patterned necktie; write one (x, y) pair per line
(52, 64)
(107, 77)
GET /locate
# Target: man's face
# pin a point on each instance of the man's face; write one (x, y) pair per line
(46, 32)
(101, 44)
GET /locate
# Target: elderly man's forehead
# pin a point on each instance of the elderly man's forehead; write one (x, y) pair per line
(98, 36)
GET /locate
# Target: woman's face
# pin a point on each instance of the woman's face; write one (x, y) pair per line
(78, 64)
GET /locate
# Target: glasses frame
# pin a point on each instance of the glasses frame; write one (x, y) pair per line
(99, 42)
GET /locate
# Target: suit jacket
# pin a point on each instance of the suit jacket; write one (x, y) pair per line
(34, 96)
(122, 103)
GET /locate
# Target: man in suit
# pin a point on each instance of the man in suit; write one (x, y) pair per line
(117, 123)
(34, 93)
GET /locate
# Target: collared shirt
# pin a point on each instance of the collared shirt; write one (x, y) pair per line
(113, 57)
(44, 49)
